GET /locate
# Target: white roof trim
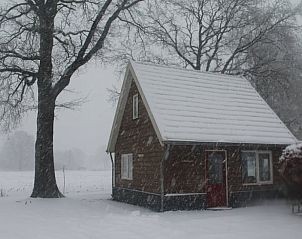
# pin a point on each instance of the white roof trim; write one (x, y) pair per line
(159, 136)
(121, 108)
(119, 112)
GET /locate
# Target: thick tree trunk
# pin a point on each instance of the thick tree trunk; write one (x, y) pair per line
(45, 185)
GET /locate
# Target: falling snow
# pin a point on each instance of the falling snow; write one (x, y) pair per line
(88, 212)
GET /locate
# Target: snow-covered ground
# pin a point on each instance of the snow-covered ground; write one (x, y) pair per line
(88, 212)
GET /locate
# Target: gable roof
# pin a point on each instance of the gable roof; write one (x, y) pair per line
(193, 106)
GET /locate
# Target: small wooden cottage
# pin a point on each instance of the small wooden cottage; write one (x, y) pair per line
(183, 139)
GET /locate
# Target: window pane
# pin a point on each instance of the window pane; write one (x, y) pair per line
(248, 167)
(127, 166)
(135, 106)
(124, 166)
(215, 161)
(264, 167)
(130, 166)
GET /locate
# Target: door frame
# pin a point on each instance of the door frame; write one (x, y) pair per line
(226, 170)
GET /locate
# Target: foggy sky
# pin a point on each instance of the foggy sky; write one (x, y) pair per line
(88, 127)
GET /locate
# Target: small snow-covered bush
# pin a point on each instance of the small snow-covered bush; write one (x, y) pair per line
(291, 152)
(291, 170)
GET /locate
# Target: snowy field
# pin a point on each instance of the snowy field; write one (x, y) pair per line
(88, 212)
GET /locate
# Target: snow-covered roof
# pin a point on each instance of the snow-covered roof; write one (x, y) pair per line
(193, 106)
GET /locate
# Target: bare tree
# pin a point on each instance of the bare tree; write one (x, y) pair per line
(43, 43)
(255, 38)
(275, 69)
(208, 35)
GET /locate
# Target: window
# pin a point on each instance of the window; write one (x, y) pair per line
(215, 167)
(127, 166)
(249, 167)
(135, 106)
(264, 167)
(257, 167)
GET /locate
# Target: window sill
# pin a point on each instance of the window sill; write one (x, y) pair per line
(258, 184)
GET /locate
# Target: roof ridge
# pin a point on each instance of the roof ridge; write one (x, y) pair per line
(184, 69)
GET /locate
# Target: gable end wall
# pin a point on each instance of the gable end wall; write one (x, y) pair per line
(137, 136)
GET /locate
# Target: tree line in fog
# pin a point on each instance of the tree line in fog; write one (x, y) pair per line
(17, 154)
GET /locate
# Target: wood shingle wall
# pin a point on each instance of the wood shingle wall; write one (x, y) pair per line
(139, 138)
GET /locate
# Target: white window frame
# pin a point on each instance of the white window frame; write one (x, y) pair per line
(257, 152)
(127, 166)
(135, 106)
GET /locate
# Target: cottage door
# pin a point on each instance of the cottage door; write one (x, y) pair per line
(216, 178)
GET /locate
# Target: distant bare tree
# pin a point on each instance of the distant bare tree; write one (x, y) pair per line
(276, 70)
(43, 43)
(17, 152)
(208, 35)
(71, 159)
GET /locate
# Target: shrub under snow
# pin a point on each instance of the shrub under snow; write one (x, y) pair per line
(291, 152)
(291, 170)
